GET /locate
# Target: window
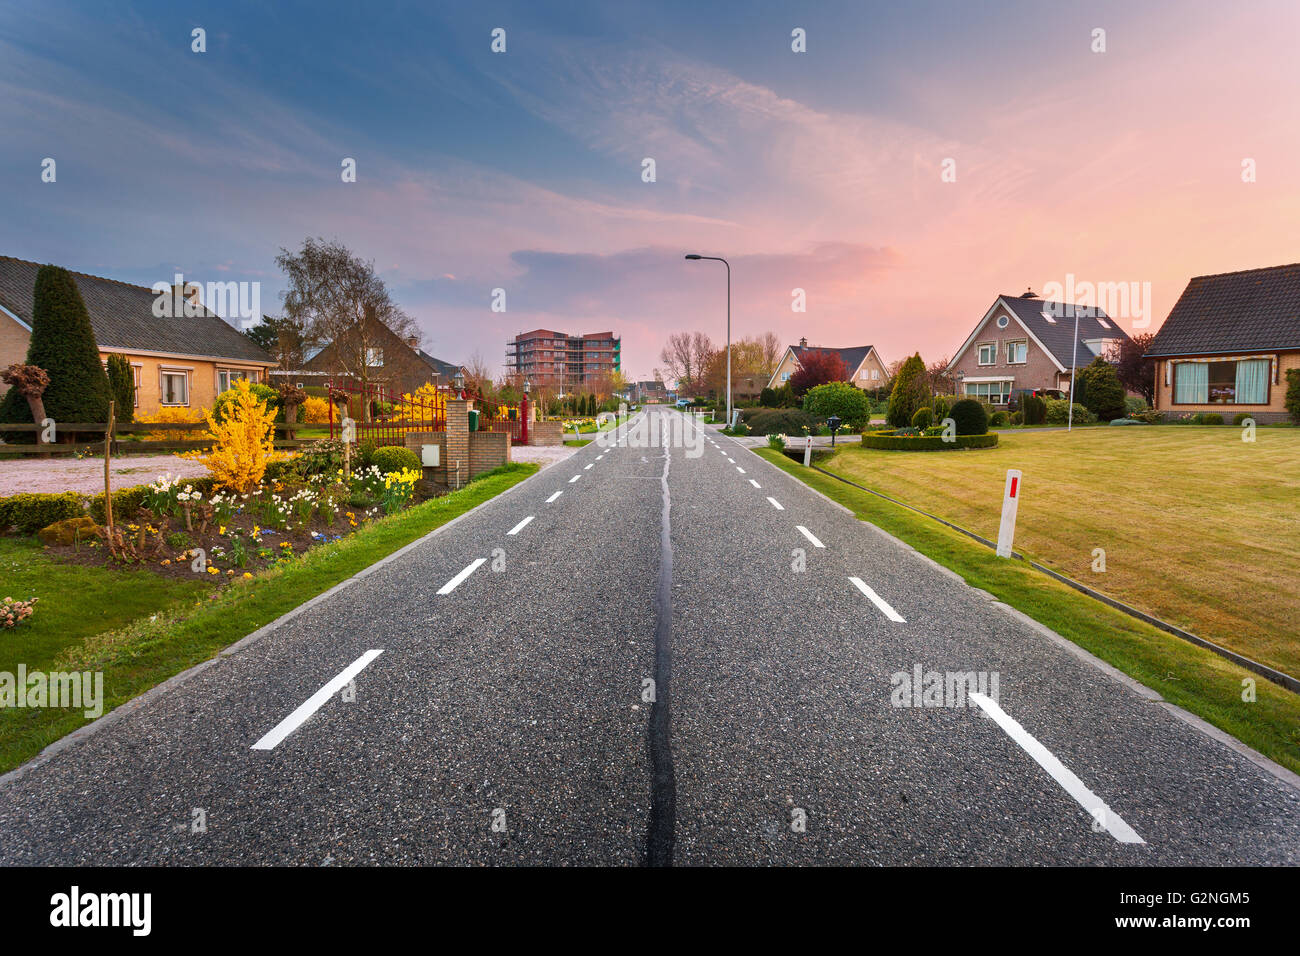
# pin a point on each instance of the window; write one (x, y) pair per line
(1017, 353)
(785, 376)
(995, 393)
(227, 377)
(1222, 383)
(174, 387)
(1048, 316)
(875, 374)
(1003, 321)
(374, 358)
(988, 354)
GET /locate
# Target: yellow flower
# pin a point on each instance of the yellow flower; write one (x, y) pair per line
(166, 561)
(248, 576)
(256, 529)
(221, 530)
(213, 570)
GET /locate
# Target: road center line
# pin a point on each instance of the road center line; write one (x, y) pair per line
(775, 504)
(586, 466)
(1104, 815)
(810, 536)
(314, 703)
(520, 527)
(574, 478)
(739, 469)
(456, 581)
(554, 496)
(878, 601)
(755, 483)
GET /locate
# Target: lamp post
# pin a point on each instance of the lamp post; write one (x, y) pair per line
(1074, 363)
(692, 256)
(458, 381)
(834, 423)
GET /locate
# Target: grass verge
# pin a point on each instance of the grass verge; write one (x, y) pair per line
(137, 652)
(1191, 677)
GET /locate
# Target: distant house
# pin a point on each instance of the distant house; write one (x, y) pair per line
(178, 362)
(649, 391)
(396, 364)
(1228, 343)
(1024, 343)
(866, 369)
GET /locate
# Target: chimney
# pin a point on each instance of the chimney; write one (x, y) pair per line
(413, 341)
(803, 343)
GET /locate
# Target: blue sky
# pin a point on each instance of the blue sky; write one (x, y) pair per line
(522, 170)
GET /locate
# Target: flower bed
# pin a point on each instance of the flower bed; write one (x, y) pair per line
(899, 440)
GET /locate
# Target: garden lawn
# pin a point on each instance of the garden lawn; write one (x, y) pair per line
(1184, 674)
(137, 650)
(1198, 527)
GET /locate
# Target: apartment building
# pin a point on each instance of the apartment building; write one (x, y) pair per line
(569, 363)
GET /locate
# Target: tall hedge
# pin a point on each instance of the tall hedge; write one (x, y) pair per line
(1292, 400)
(846, 401)
(63, 344)
(121, 385)
(911, 391)
(1103, 395)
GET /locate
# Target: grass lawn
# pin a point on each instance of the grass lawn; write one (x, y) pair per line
(1184, 674)
(1198, 527)
(157, 627)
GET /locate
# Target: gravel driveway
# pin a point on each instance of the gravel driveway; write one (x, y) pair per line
(87, 475)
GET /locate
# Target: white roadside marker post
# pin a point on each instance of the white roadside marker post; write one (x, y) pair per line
(807, 450)
(1010, 504)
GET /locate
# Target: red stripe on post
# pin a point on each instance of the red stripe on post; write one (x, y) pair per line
(1014, 482)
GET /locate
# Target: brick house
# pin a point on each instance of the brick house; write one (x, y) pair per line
(395, 364)
(867, 370)
(181, 361)
(1228, 343)
(1024, 343)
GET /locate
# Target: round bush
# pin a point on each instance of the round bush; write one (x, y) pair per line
(1212, 418)
(392, 458)
(998, 419)
(923, 417)
(970, 417)
(1240, 418)
(1017, 418)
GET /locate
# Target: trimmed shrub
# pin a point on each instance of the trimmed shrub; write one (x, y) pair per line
(1134, 404)
(1017, 418)
(940, 406)
(63, 344)
(392, 458)
(29, 513)
(767, 398)
(970, 417)
(784, 421)
(1058, 411)
(1292, 400)
(121, 386)
(1103, 394)
(1240, 418)
(923, 417)
(898, 440)
(838, 398)
(998, 420)
(1211, 418)
(911, 391)
(1035, 410)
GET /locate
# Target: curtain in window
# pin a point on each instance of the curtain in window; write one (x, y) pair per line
(1191, 383)
(1252, 382)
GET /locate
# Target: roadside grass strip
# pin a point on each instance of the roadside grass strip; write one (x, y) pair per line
(1260, 714)
(1103, 815)
(877, 600)
(459, 579)
(314, 703)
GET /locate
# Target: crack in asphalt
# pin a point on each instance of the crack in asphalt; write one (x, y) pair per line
(661, 826)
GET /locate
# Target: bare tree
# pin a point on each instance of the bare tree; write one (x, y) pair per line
(339, 301)
(772, 352)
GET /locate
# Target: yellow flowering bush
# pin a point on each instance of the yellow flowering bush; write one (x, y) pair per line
(314, 411)
(169, 416)
(425, 402)
(245, 441)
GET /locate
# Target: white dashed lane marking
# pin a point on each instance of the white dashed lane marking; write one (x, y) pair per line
(810, 536)
(554, 496)
(520, 527)
(775, 504)
(1102, 814)
(456, 581)
(878, 601)
(314, 703)
(755, 483)
(574, 478)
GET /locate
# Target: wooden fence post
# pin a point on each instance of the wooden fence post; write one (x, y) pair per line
(108, 456)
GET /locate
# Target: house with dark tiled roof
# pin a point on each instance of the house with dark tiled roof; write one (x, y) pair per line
(1228, 343)
(181, 360)
(866, 369)
(1027, 344)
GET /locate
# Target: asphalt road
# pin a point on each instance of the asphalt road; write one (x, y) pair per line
(641, 655)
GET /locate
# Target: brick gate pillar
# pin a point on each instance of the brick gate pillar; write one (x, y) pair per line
(457, 441)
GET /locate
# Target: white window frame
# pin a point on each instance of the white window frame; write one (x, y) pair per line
(1003, 394)
(163, 372)
(371, 355)
(1015, 344)
(993, 353)
(230, 380)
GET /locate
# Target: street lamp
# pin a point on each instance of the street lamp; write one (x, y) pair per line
(523, 413)
(692, 256)
(458, 380)
(1074, 363)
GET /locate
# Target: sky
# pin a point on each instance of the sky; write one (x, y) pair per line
(915, 161)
